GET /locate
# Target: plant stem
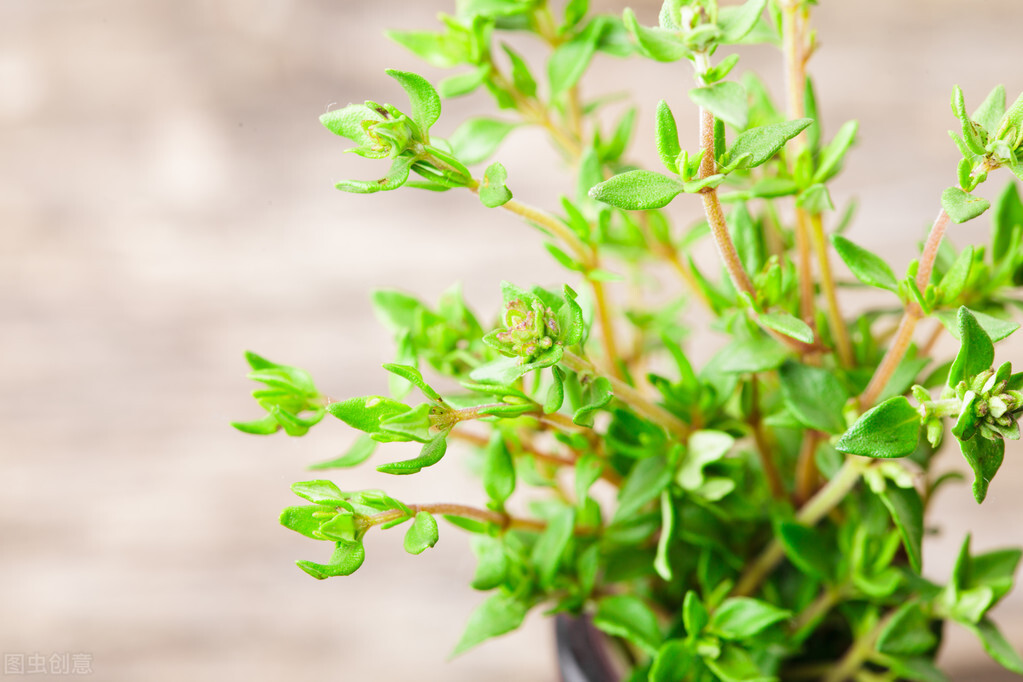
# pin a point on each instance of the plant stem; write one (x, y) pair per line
(858, 653)
(804, 271)
(839, 331)
(829, 497)
(763, 448)
(633, 398)
(912, 315)
(505, 521)
(808, 619)
(806, 466)
(715, 216)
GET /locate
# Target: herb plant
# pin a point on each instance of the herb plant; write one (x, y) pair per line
(769, 505)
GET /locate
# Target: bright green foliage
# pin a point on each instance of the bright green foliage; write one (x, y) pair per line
(759, 515)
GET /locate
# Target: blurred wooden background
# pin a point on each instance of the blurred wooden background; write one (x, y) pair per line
(167, 202)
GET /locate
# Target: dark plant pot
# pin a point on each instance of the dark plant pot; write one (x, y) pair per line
(582, 651)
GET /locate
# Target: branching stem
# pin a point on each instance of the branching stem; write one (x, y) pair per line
(486, 515)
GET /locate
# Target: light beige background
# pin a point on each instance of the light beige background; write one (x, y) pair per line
(166, 202)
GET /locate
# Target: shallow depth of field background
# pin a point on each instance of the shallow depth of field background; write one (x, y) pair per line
(167, 201)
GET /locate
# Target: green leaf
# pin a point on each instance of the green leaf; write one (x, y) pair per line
(493, 192)
(866, 266)
(694, 614)
(522, 77)
(306, 519)
(431, 453)
(995, 570)
(995, 327)
(365, 414)
(491, 562)
(259, 427)
(907, 510)
(600, 395)
(962, 206)
(629, 617)
(830, 160)
(742, 617)
(954, 281)
(655, 43)
(570, 319)
(318, 492)
(787, 324)
(892, 429)
(726, 100)
(347, 122)
(414, 377)
(551, 545)
(976, 352)
(422, 534)
(425, 100)
(989, 113)
(761, 143)
(667, 137)
(463, 84)
(814, 395)
(704, 448)
(498, 470)
(996, 646)
(815, 199)
(984, 457)
(587, 470)
(907, 633)
(477, 139)
(570, 60)
(347, 558)
(395, 178)
(805, 549)
(499, 614)
(661, 562)
(637, 190)
(644, 483)
(413, 424)
(736, 665)
(1006, 220)
(444, 51)
(752, 355)
(359, 452)
(556, 392)
(673, 662)
(736, 22)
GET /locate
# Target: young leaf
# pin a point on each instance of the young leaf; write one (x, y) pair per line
(962, 206)
(985, 457)
(347, 558)
(627, 616)
(996, 646)
(726, 100)
(830, 161)
(491, 562)
(431, 453)
(422, 534)
(551, 545)
(804, 548)
(499, 614)
(661, 563)
(463, 84)
(667, 137)
(761, 143)
(498, 470)
(645, 482)
(742, 617)
(493, 192)
(365, 414)
(989, 113)
(673, 661)
(477, 139)
(522, 77)
(637, 190)
(976, 352)
(318, 492)
(786, 324)
(569, 60)
(425, 100)
(737, 22)
(868, 267)
(892, 429)
(414, 377)
(1006, 219)
(907, 510)
(655, 43)
(907, 633)
(600, 395)
(995, 327)
(814, 395)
